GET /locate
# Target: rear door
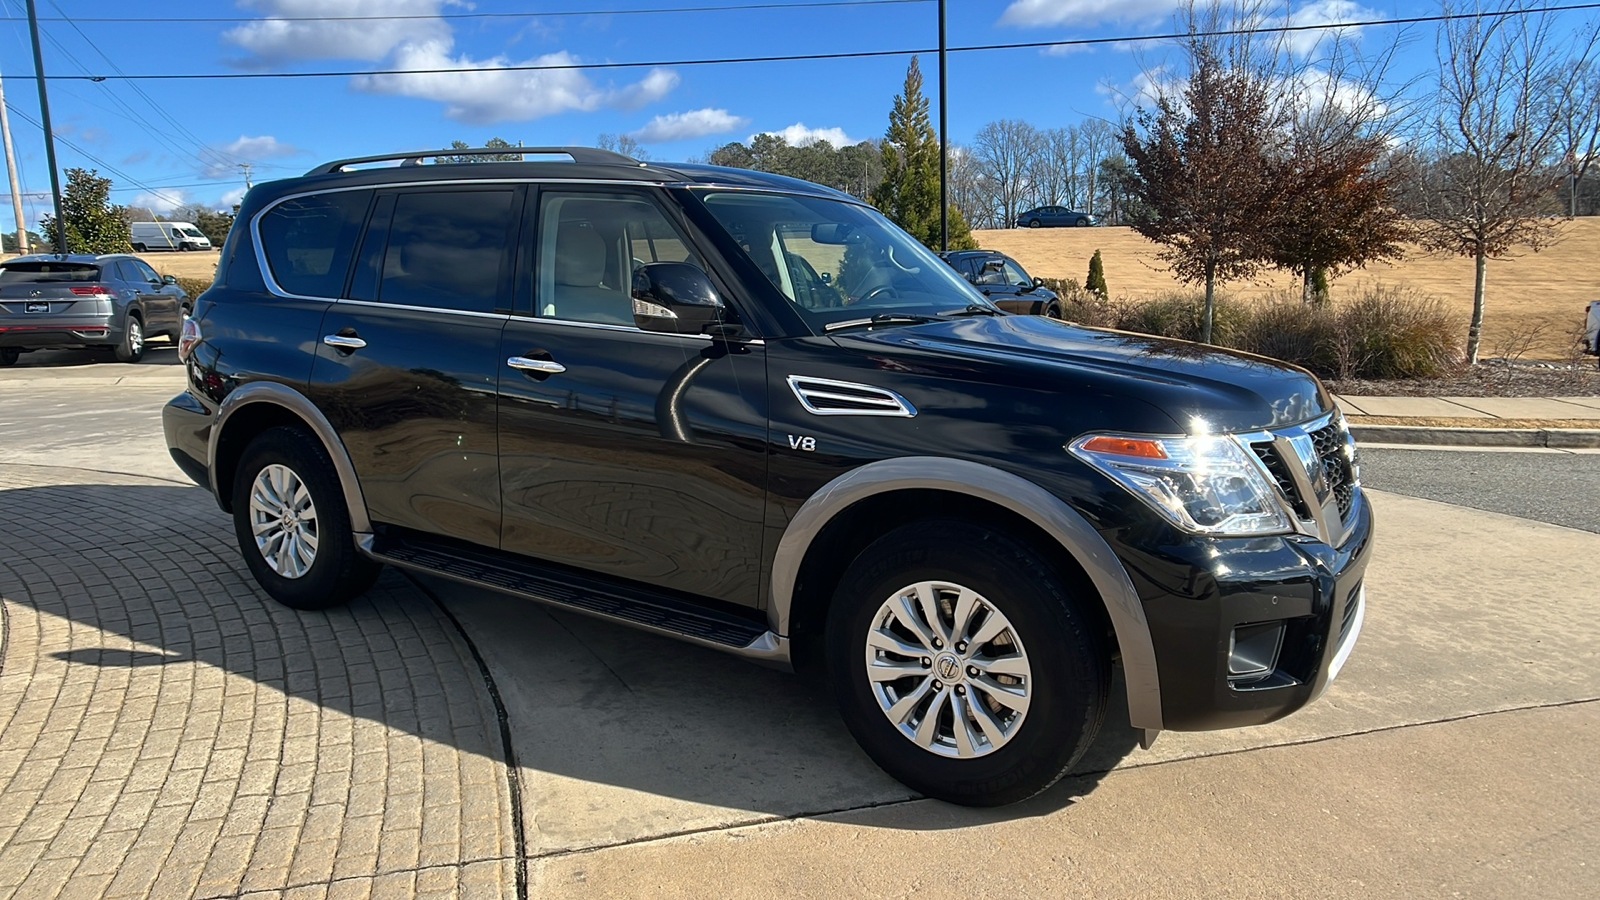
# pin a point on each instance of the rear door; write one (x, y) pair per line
(634, 454)
(407, 365)
(160, 305)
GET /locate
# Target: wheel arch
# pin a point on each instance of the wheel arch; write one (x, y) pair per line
(807, 564)
(252, 409)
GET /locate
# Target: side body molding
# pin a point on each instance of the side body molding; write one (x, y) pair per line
(296, 402)
(1017, 494)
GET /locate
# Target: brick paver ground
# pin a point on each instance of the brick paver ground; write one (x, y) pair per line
(168, 731)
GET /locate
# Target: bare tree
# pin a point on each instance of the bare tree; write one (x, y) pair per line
(1580, 131)
(1097, 139)
(1492, 161)
(1005, 151)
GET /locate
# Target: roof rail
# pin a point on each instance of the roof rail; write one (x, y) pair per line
(416, 157)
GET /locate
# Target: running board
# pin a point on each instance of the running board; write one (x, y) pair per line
(658, 613)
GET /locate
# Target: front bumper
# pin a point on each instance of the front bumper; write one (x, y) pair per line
(1290, 605)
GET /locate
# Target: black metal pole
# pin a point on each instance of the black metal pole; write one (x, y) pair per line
(944, 145)
(49, 136)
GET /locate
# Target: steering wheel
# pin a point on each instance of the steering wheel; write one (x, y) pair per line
(880, 289)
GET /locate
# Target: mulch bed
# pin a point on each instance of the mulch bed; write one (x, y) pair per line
(1490, 378)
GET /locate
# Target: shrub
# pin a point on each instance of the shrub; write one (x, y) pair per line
(192, 285)
(1285, 327)
(1177, 315)
(1393, 332)
(1095, 283)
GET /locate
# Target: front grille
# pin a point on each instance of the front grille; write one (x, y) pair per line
(1278, 468)
(1330, 444)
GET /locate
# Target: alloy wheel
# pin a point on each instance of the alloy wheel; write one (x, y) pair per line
(948, 669)
(284, 521)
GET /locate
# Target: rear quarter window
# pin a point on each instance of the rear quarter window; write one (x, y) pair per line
(308, 241)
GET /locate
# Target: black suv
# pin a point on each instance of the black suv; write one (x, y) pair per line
(748, 412)
(1004, 282)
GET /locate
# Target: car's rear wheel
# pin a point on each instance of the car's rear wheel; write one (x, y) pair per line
(131, 348)
(1035, 223)
(292, 525)
(9, 356)
(964, 665)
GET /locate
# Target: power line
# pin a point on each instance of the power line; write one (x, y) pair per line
(857, 54)
(95, 159)
(814, 4)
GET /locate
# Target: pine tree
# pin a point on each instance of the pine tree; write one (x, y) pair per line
(909, 191)
(93, 224)
(1095, 283)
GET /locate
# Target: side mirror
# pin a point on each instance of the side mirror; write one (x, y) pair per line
(169, 279)
(1038, 282)
(674, 297)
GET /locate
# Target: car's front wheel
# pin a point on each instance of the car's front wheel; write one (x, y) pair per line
(1053, 310)
(292, 525)
(1082, 223)
(964, 664)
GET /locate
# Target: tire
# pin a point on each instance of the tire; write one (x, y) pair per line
(183, 248)
(288, 464)
(9, 356)
(1082, 223)
(131, 348)
(1064, 669)
(138, 248)
(1035, 223)
(1053, 311)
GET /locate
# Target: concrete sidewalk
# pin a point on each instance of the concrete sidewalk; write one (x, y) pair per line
(1565, 423)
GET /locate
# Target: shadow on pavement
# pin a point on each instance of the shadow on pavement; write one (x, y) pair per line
(159, 352)
(586, 701)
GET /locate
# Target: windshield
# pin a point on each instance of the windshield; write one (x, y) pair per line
(33, 272)
(836, 261)
(191, 232)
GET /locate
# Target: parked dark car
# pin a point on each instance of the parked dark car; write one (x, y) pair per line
(750, 413)
(1004, 282)
(112, 302)
(1054, 217)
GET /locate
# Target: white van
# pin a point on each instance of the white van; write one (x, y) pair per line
(167, 236)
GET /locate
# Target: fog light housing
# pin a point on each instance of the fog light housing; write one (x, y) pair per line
(1253, 655)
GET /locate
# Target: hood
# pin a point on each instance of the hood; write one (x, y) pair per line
(1197, 386)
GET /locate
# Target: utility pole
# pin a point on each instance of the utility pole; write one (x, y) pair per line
(11, 174)
(944, 144)
(246, 167)
(49, 136)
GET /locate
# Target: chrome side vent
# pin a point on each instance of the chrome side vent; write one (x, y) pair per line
(826, 397)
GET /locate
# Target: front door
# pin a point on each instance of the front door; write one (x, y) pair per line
(407, 365)
(633, 454)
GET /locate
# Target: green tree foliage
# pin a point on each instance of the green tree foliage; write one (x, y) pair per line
(212, 223)
(855, 169)
(493, 143)
(1208, 162)
(8, 241)
(93, 224)
(1095, 282)
(909, 191)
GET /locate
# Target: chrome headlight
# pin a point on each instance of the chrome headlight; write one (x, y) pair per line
(1206, 484)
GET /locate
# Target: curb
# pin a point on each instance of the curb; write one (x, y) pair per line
(1556, 438)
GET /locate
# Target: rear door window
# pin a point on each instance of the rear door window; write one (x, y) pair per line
(309, 241)
(449, 250)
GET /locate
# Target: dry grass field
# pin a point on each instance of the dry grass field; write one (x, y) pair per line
(1546, 291)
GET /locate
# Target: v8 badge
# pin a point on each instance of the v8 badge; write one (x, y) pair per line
(802, 442)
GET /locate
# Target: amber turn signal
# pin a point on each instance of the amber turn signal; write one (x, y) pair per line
(1121, 446)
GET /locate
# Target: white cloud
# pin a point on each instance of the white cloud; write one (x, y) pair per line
(1324, 12)
(263, 146)
(160, 202)
(230, 198)
(691, 124)
(493, 94)
(798, 135)
(1035, 13)
(270, 40)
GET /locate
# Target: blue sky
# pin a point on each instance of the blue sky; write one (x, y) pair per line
(283, 126)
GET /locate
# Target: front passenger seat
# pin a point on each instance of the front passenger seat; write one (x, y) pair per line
(580, 267)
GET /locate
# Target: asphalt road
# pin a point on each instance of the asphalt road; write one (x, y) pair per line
(1558, 488)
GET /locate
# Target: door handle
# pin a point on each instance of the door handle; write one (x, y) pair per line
(343, 341)
(542, 366)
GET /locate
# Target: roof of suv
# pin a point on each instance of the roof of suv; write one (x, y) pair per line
(587, 165)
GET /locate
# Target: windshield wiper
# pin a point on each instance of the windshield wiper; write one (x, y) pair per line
(973, 309)
(881, 319)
